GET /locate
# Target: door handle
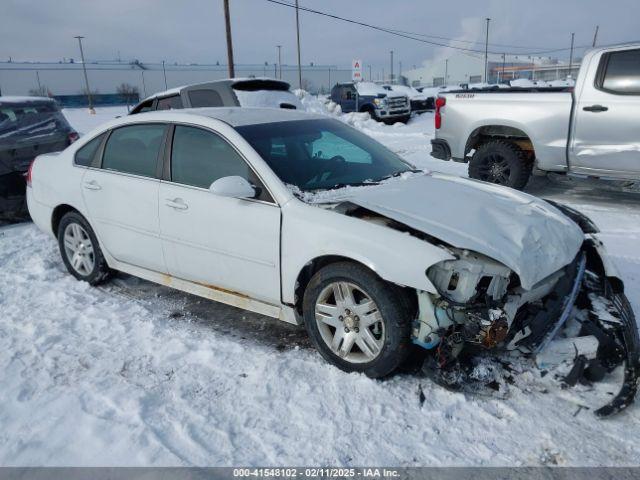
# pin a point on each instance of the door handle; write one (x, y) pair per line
(596, 108)
(176, 203)
(92, 185)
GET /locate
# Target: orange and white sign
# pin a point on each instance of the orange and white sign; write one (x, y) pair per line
(356, 70)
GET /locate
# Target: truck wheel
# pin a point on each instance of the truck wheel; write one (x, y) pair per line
(357, 321)
(80, 250)
(501, 162)
(370, 110)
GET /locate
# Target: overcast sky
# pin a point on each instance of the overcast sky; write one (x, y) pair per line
(193, 30)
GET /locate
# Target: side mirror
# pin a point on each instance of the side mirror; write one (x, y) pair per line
(234, 187)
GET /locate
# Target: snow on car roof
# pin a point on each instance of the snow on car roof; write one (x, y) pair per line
(17, 99)
(370, 88)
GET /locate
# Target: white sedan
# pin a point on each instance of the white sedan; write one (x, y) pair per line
(303, 218)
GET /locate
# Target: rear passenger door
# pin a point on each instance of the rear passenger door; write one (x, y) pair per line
(121, 194)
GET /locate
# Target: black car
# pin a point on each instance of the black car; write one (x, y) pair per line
(29, 126)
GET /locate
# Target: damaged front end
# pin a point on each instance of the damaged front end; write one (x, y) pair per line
(580, 310)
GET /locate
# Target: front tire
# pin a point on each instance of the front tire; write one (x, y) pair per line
(357, 321)
(80, 250)
(502, 163)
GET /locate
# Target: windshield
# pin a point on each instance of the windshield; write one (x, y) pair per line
(322, 154)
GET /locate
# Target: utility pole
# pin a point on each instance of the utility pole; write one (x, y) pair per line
(279, 61)
(370, 77)
(391, 74)
(504, 59)
(571, 54)
(227, 21)
(164, 72)
(86, 78)
(446, 71)
(595, 35)
(486, 54)
(298, 38)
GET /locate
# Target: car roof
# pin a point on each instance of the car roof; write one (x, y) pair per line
(16, 99)
(234, 116)
(222, 81)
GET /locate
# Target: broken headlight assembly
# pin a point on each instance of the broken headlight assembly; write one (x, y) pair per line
(469, 308)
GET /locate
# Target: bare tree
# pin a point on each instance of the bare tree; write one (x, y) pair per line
(129, 93)
(83, 91)
(41, 91)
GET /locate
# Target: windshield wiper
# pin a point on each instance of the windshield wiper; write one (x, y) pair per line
(352, 184)
(397, 174)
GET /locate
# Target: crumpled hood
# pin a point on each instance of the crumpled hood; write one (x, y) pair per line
(525, 233)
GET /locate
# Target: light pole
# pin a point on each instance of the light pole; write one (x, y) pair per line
(446, 71)
(486, 53)
(164, 72)
(391, 74)
(279, 61)
(227, 22)
(571, 54)
(595, 36)
(298, 38)
(370, 77)
(86, 78)
(399, 71)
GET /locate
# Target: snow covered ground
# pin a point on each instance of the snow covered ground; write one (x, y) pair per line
(136, 374)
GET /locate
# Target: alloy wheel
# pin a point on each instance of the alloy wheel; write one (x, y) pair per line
(79, 249)
(350, 322)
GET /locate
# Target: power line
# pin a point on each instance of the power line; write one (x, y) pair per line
(413, 35)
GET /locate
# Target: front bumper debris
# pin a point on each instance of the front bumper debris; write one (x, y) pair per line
(595, 299)
(587, 316)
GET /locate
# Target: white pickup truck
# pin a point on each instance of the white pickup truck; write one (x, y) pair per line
(591, 130)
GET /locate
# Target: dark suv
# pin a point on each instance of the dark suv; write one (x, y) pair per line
(29, 126)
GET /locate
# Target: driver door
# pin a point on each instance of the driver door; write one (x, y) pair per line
(227, 243)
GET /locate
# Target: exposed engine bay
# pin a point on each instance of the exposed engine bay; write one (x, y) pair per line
(480, 305)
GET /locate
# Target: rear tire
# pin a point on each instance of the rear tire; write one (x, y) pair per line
(502, 163)
(80, 250)
(357, 321)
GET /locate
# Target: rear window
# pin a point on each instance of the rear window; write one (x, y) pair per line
(31, 120)
(205, 98)
(622, 74)
(255, 85)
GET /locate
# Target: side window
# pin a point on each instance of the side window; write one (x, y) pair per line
(200, 157)
(169, 103)
(205, 98)
(86, 154)
(622, 73)
(144, 107)
(134, 149)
